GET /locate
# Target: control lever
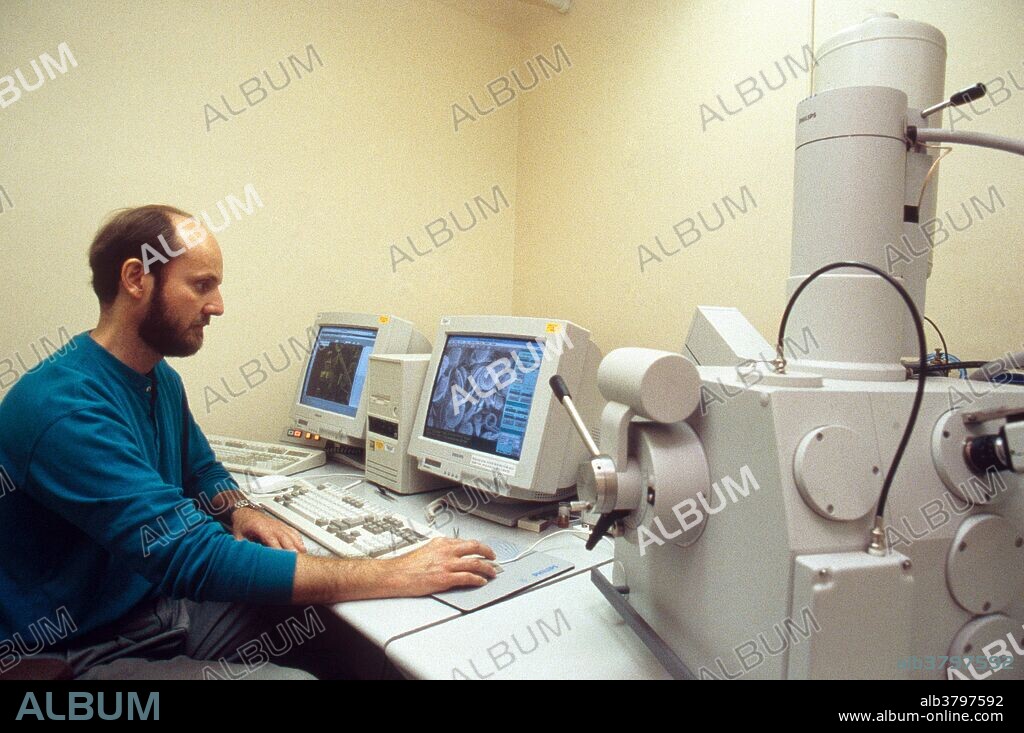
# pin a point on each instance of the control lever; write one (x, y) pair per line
(962, 97)
(602, 473)
(561, 390)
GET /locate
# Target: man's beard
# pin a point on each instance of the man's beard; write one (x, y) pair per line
(164, 336)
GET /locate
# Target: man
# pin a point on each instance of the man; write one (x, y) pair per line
(102, 555)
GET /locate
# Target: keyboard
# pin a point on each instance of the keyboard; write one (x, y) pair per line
(343, 522)
(264, 459)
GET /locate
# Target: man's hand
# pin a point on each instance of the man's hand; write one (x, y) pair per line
(252, 524)
(439, 565)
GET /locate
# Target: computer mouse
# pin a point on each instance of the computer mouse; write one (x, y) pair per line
(493, 563)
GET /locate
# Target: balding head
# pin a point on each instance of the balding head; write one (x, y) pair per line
(123, 236)
(157, 272)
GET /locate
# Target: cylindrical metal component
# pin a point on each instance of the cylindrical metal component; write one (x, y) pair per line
(850, 160)
(597, 484)
(848, 201)
(658, 385)
(563, 514)
(876, 538)
(988, 451)
(962, 137)
(885, 50)
(581, 427)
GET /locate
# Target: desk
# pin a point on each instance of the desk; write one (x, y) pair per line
(564, 630)
(402, 636)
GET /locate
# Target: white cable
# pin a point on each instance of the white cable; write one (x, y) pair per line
(980, 139)
(529, 549)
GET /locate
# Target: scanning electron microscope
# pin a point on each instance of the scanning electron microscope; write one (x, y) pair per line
(831, 505)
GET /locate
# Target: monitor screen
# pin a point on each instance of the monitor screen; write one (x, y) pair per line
(482, 393)
(337, 369)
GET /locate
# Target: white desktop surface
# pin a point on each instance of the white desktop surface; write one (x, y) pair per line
(384, 620)
(564, 630)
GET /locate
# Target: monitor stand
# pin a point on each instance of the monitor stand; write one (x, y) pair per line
(472, 501)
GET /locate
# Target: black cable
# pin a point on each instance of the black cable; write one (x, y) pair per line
(953, 366)
(945, 350)
(922, 368)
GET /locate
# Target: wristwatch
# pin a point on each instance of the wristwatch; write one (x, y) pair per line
(240, 504)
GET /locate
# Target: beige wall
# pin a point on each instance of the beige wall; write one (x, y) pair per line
(619, 155)
(354, 156)
(596, 160)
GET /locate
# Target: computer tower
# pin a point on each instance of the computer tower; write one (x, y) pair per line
(393, 386)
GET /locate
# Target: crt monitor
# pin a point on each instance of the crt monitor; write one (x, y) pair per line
(487, 417)
(330, 402)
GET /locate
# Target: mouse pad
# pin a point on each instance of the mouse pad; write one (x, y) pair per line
(523, 573)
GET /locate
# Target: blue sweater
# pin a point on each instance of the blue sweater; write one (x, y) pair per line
(93, 516)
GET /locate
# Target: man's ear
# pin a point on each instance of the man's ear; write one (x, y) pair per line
(134, 278)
